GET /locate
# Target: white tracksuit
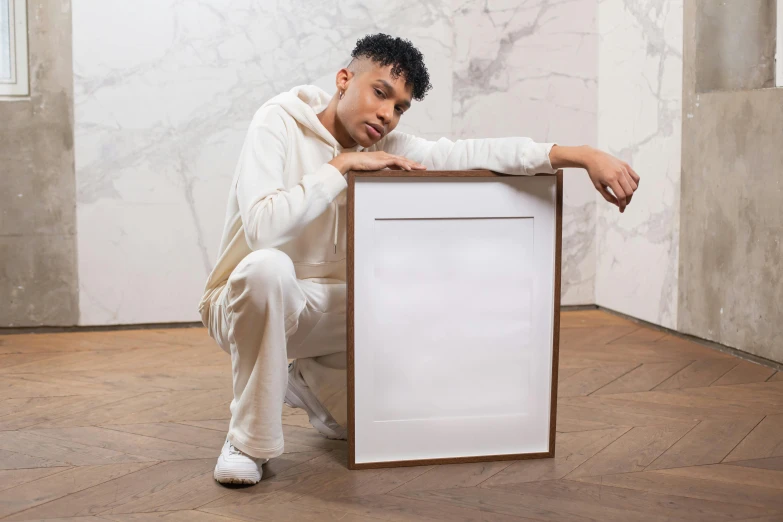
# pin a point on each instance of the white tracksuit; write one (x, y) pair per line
(278, 287)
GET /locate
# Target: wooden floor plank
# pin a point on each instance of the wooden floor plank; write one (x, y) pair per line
(708, 443)
(14, 460)
(16, 477)
(122, 490)
(598, 335)
(699, 373)
(169, 516)
(683, 404)
(535, 507)
(730, 474)
(186, 495)
(275, 513)
(773, 463)
(671, 507)
(705, 489)
(590, 379)
(34, 411)
(62, 452)
(27, 496)
(744, 373)
(690, 348)
(634, 451)
(641, 335)
(174, 432)
(572, 449)
(124, 408)
(643, 378)
(451, 476)
(766, 440)
(128, 443)
(400, 509)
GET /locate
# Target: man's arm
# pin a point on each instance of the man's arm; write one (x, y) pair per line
(520, 156)
(271, 213)
(604, 170)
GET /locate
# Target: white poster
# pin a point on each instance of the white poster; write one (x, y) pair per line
(453, 316)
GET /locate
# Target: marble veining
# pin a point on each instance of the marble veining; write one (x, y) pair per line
(639, 120)
(530, 68)
(159, 120)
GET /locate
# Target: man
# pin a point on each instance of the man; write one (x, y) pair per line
(277, 291)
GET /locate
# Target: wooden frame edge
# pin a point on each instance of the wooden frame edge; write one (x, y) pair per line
(351, 179)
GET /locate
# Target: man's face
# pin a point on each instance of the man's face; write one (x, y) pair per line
(373, 99)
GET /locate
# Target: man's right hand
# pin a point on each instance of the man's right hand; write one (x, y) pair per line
(373, 161)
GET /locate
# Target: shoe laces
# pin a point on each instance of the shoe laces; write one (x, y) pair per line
(232, 450)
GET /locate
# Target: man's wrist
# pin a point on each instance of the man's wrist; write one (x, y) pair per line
(571, 157)
(340, 164)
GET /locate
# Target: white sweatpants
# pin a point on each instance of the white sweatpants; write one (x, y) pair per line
(264, 316)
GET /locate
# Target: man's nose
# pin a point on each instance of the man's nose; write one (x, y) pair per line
(384, 115)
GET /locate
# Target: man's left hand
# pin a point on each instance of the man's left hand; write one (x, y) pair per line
(607, 171)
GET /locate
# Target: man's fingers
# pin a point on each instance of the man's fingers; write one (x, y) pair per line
(627, 185)
(634, 175)
(606, 194)
(619, 194)
(630, 180)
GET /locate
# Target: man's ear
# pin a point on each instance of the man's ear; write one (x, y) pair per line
(343, 78)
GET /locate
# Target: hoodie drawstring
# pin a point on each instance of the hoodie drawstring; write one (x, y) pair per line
(336, 213)
(336, 221)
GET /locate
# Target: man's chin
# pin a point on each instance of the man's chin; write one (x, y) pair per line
(365, 141)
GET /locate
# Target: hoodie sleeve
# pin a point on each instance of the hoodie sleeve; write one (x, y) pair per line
(520, 156)
(271, 213)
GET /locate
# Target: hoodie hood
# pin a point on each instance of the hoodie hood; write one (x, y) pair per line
(303, 103)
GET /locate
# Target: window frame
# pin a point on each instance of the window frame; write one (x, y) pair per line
(19, 85)
(779, 44)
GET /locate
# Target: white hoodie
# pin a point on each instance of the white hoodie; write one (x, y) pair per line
(286, 195)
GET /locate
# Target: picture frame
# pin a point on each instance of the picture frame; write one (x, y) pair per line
(400, 421)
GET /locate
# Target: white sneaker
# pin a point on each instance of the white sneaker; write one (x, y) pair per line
(299, 395)
(235, 467)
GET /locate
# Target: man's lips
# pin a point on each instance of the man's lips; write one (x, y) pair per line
(371, 130)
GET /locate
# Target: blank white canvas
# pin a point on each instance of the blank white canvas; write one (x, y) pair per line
(453, 316)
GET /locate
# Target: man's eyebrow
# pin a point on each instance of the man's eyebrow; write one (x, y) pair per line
(405, 103)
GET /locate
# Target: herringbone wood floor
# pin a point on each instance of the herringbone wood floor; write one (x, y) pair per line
(126, 426)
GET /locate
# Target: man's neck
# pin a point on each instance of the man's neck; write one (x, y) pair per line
(328, 118)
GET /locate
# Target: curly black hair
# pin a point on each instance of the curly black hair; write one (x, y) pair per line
(401, 54)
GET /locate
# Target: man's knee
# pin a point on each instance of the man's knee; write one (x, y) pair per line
(261, 271)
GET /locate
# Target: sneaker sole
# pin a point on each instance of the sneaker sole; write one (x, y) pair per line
(224, 475)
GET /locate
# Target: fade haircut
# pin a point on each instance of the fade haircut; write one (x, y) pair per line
(404, 58)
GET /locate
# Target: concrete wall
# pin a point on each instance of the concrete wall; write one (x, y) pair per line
(37, 187)
(731, 243)
(735, 44)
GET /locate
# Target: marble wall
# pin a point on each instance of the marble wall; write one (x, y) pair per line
(639, 120)
(159, 120)
(530, 68)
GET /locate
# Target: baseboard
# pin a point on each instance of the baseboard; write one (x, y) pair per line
(704, 342)
(101, 328)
